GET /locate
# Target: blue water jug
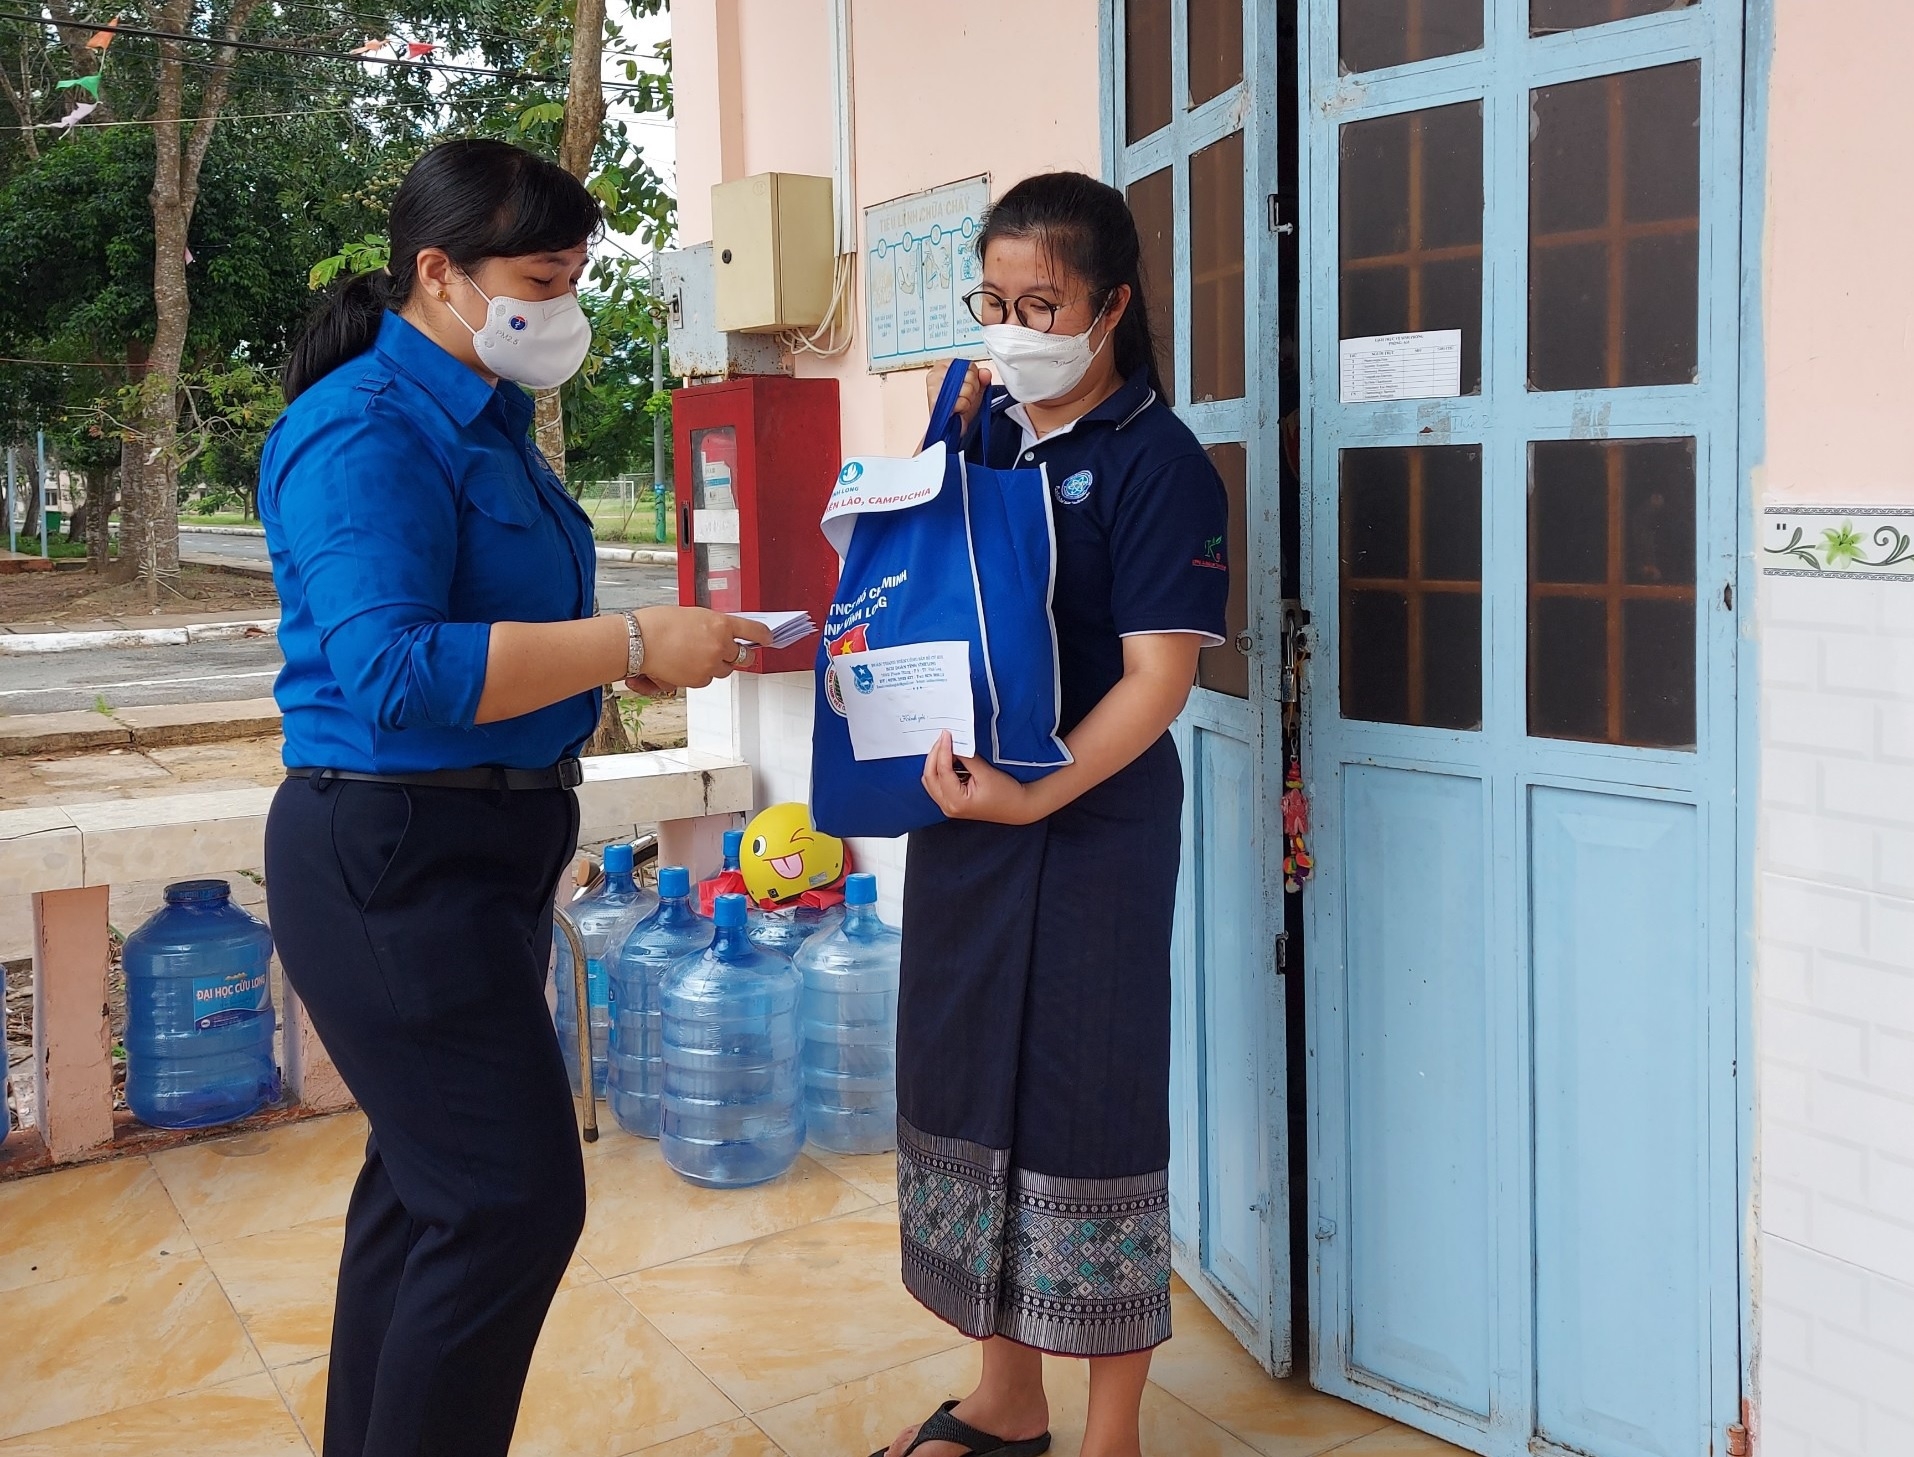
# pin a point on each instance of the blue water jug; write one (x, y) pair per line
(849, 1019)
(664, 938)
(199, 1014)
(732, 1111)
(603, 918)
(789, 927)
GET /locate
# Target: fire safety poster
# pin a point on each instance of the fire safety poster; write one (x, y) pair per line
(920, 259)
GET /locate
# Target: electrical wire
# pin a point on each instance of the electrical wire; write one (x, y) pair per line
(313, 53)
(798, 342)
(371, 104)
(46, 126)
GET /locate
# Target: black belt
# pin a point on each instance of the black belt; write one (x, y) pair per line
(565, 774)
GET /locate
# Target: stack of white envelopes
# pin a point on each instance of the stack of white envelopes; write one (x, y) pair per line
(787, 628)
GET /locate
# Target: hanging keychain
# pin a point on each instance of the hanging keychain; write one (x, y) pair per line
(1298, 864)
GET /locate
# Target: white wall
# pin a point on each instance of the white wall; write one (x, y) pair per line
(1835, 1018)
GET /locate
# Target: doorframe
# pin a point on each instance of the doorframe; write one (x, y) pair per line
(1757, 59)
(1255, 421)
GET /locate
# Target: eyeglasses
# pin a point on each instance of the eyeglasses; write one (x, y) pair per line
(989, 307)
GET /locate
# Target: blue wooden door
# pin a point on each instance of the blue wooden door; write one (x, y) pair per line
(1190, 135)
(1520, 264)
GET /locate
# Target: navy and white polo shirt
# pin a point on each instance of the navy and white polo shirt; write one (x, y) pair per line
(1141, 521)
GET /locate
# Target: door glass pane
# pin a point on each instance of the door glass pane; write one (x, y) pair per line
(1379, 33)
(1612, 591)
(1146, 53)
(1216, 270)
(1226, 669)
(1548, 16)
(1412, 227)
(1614, 230)
(1412, 585)
(1216, 47)
(1150, 202)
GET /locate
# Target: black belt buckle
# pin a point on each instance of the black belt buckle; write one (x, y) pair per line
(571, 773)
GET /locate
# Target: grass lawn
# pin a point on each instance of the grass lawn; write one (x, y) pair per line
(222, 518)
(60, 550)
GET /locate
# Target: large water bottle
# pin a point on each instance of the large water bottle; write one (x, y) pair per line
(787, 928)
(603, 918)
(199, 1014)
(849, 1020)
(664, 938)
(732, 1111)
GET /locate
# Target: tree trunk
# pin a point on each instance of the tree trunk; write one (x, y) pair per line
(99, 504)
(151, 531)
(35, 496)
(584, 125)
(548, 429)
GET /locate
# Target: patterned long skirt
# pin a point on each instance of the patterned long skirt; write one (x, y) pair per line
(1033, 1134)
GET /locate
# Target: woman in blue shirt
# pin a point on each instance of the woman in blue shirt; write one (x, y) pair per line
(443, 664)
(1033, 1030)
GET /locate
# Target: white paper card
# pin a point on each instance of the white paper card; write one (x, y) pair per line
(786, 627)
(1423, 366)
(898, 700)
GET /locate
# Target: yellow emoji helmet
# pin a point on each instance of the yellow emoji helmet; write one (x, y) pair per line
(784, 855)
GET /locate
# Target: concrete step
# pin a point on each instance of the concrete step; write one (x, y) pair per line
(155, 726)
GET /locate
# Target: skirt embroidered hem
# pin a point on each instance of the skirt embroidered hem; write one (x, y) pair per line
(1074, 1267)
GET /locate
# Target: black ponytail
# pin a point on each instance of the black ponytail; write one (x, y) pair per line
(476, 199)
(1086, 227)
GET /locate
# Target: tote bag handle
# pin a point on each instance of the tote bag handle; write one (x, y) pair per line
(944, 412)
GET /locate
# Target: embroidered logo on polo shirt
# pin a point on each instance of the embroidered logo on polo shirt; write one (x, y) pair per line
(1212, 556)
(1075, 488)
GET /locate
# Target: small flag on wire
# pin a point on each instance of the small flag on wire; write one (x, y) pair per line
(81, 111)
(369, 47)
(104, 38)
(416, 48)
(88, 84)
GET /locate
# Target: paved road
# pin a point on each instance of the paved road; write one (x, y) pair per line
(215, 543)
(219, 672)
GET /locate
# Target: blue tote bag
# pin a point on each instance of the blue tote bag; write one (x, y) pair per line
(941, 621)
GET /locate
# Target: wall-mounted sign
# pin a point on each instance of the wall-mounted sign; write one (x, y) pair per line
(920, 259)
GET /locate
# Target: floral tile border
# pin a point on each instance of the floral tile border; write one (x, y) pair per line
(1849, 543)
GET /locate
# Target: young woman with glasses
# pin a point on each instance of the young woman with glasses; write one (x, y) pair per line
(1034, 1018)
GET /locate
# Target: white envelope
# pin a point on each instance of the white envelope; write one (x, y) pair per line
(898, 700)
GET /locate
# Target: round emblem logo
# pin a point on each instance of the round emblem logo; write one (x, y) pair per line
(852, 470)
(1075, 488)
(833, 694)
(518, 322)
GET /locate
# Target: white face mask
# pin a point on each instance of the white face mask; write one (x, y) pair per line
(540, 344)
(1036, 367)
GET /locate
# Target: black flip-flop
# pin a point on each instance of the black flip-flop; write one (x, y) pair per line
(943, 1427)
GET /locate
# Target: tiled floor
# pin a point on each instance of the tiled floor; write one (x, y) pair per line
(181, 1304)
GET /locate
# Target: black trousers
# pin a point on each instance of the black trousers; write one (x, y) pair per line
(415, 925)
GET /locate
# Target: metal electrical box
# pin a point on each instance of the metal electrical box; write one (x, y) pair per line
(699, 348)
(774, 236)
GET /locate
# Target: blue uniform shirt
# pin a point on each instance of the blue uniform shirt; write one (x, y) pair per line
(407, 510)
(1142, 523)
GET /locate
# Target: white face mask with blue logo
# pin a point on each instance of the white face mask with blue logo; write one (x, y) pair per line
(536, 343)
